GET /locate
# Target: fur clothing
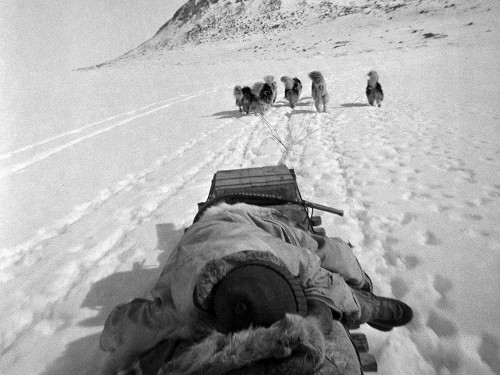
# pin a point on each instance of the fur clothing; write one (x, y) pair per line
(224, 237)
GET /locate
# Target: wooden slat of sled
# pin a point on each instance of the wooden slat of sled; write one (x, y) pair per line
(368, 362)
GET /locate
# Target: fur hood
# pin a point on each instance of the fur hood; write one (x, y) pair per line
(292, 346)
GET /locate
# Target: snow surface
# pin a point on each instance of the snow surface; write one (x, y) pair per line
(101, 170)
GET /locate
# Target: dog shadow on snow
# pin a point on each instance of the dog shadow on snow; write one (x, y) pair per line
(228, 114)
(105, 294)
(302, 103)
(235, 113)
(352, 105)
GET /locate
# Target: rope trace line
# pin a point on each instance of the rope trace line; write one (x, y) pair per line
(272, 132)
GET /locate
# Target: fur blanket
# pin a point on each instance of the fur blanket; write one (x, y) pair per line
(293, 346)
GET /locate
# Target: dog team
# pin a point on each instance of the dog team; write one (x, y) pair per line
(262, 95)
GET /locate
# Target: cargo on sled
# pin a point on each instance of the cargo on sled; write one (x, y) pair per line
(288, 342)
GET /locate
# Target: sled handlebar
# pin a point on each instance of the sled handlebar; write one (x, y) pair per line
(324, 208)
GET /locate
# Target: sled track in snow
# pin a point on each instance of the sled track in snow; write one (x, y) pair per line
(13, 255)
(93, 124)
(120, 241)
(130, 116)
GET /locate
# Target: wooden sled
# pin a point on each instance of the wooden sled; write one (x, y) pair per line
(276, 187)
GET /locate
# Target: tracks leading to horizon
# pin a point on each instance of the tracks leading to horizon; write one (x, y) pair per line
(86, 132)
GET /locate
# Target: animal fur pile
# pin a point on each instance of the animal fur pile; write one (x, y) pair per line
(294, 345)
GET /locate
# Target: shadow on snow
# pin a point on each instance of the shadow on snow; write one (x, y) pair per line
(105, 294)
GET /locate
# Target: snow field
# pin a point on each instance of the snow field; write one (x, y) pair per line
(417, 178)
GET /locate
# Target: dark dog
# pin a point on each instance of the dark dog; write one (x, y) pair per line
(249, 101)
(258, 98)
(274, 86)
(293, 89)
(264, 93)
(318, 91)
(374, 91)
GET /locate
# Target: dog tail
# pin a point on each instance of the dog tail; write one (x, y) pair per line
(269, 80)
(372, 78)
(274, 86)
(257, 88)
(317, 77)
(288, 82)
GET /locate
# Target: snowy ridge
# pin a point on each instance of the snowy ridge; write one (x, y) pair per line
(232, 20)
(206, 21)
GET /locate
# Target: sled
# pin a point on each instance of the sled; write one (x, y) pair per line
(276, 187)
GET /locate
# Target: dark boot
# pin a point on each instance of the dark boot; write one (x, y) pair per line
(382, 313)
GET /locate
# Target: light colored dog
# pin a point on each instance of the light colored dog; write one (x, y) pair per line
(318, 91)
(238, 96)
(374, 91)
(293, 89)
(274, 86)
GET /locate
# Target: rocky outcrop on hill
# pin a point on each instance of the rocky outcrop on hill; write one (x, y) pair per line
(200, 21)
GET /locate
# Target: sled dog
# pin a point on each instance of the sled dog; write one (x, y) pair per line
(249, 101)
(374, 91)
(274, 86)
(293, 89)
(318, 91)
(258, 98)
(238, 96)
(263, 92)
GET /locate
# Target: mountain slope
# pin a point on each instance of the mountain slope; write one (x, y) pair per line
(205, 21)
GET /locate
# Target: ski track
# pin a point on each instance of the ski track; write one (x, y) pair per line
(119, 242)
(10, 256)
(85, 127)
(38, 242)
(55, 150)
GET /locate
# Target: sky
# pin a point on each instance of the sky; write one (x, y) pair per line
(57, 34)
